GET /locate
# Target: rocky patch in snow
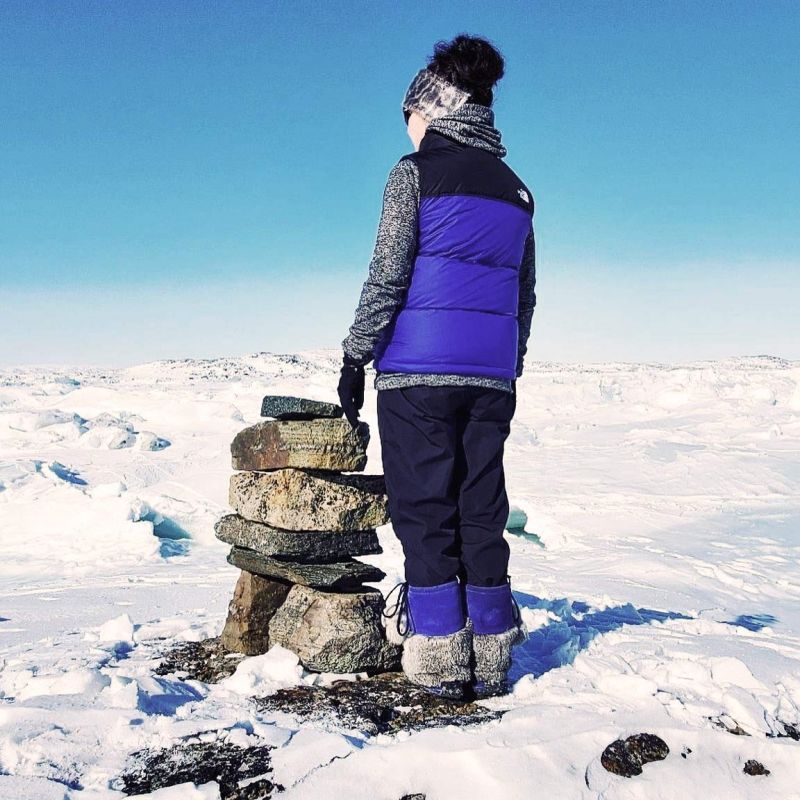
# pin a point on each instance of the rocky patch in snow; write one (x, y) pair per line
(385, 703)
(626, 756)
(208, 661)
(753, 767)
(241, 773)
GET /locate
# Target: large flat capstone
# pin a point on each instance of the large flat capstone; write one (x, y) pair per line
(310, 444)
(335, 575)
(334, 632)
(288, 407)
(310, 500)
(302, 545)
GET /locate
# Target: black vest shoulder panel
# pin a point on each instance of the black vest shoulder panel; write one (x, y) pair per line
(449, 167)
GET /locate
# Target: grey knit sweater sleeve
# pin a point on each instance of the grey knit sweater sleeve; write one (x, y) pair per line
(392, 260)
(527, 297)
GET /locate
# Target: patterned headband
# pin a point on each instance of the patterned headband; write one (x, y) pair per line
(431, 96)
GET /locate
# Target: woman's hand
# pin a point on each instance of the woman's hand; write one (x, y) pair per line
(351, 389)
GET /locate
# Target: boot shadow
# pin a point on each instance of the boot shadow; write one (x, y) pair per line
(557, 643)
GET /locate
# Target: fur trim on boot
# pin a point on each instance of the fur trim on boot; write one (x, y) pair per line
(492, 659)
(439, 664)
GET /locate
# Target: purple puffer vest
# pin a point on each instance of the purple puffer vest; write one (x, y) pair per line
(460, 313)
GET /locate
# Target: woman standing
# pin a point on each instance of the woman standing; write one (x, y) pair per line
(445, 313)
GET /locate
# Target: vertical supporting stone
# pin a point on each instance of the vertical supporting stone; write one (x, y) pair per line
(255, 601)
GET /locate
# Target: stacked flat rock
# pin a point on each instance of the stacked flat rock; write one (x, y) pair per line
(301, 518)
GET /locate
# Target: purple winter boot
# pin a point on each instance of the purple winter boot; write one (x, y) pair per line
(435, 637)
(497, 627)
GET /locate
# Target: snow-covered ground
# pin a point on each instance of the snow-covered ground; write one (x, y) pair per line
(666, 594)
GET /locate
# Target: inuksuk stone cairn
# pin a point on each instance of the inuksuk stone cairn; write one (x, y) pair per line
(302, 514)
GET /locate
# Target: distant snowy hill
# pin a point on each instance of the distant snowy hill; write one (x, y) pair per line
(659, 572)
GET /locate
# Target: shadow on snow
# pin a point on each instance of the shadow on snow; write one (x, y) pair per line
(557, 643)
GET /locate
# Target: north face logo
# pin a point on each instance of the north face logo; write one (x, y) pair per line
(524, 195)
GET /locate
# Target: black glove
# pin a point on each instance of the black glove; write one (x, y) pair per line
(351, 389)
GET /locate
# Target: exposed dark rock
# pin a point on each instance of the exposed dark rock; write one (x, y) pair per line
(255, 599)
(789, 731)
(753, 767)
(729, 725)
(385, 703)
(348, 574)
(288, 407)
(335, 632)
(413, 797)
(309, 546)
(310, 500)
(208, 661)
(626, 756)
(200, 763)
(329, 444)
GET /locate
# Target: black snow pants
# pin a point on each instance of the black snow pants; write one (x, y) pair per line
(442, 450)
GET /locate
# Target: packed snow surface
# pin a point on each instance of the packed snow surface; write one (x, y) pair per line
(658, 570)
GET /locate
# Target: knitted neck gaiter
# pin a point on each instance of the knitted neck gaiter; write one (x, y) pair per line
(473, 125)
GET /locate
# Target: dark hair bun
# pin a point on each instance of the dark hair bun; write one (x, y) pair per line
(470, 62)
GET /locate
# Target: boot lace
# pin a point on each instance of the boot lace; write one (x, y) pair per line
(399, 609)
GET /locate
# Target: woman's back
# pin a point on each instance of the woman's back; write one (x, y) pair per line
(446, 313)
(460, 311)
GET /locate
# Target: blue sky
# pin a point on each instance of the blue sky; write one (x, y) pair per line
(200, 179)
